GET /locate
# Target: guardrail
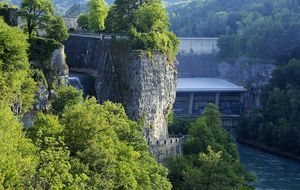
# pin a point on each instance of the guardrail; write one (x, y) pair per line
(174, 140)
(104, 36)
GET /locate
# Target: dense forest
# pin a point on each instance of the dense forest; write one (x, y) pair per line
(266, 29)
(63, 5)
(277, 123)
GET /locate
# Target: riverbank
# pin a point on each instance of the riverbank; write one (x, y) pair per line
(268, 149)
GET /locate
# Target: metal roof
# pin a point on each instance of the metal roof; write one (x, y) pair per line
(207, 85)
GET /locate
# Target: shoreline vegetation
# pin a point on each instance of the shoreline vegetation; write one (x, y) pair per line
(268, 149)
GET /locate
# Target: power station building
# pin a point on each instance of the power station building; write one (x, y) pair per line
(194, 94)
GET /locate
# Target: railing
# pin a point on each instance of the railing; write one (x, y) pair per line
(104, 36)
(172, 140)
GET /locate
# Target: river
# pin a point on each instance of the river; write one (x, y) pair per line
(272, 171)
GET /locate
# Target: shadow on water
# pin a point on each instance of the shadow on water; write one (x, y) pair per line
(273, 172)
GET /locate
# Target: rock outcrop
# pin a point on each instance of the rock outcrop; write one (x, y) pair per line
(56, 73)
(252, 74)
(146, 87)
(59, 65)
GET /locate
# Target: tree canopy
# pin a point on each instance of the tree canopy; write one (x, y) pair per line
(37, 13)
(98, 11)
(16, 84)
(17, 153)
(265, 29)
(57, 29)
(83, 21)
(276, 123)
(40, 18)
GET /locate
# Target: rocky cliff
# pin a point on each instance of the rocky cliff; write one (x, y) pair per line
(59, 65)
(252, 74)
(146, 87)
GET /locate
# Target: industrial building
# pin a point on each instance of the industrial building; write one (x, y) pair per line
(193, 94)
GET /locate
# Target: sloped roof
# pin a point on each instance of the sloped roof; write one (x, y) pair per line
(207, 85)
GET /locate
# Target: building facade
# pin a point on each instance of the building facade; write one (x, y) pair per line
(194, 94)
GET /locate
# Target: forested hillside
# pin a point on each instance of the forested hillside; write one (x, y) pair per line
(268, 29)
(63, 5)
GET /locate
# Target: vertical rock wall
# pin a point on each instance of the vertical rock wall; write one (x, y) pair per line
(145, 87)
(59, 65)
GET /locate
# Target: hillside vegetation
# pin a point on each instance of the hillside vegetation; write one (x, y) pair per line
(72, 143)
(266, 29)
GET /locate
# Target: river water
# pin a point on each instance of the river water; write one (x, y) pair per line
(272, 172)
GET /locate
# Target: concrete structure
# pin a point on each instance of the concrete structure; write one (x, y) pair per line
(71, 22)
(165, 148)
(197, 60)
(72, 15)
(194, 94)
(198, 46)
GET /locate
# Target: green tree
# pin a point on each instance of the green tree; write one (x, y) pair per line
(109, 148)
(57, 29)
(9, 13)
(16, 84)
(17, 154)
(121, 14)
(149, 30)
(277, 123)
(151, 17)
(98, 11)
(66, 96)
(83, 21)
(38, 14)
(210, 158)
(53, 170)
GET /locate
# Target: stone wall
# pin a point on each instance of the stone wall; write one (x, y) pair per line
(162, 149)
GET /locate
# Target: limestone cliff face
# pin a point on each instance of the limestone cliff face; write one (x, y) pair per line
(244, 71)
(251, 74)
(146, 87)
(59, 65)
(56, 72)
